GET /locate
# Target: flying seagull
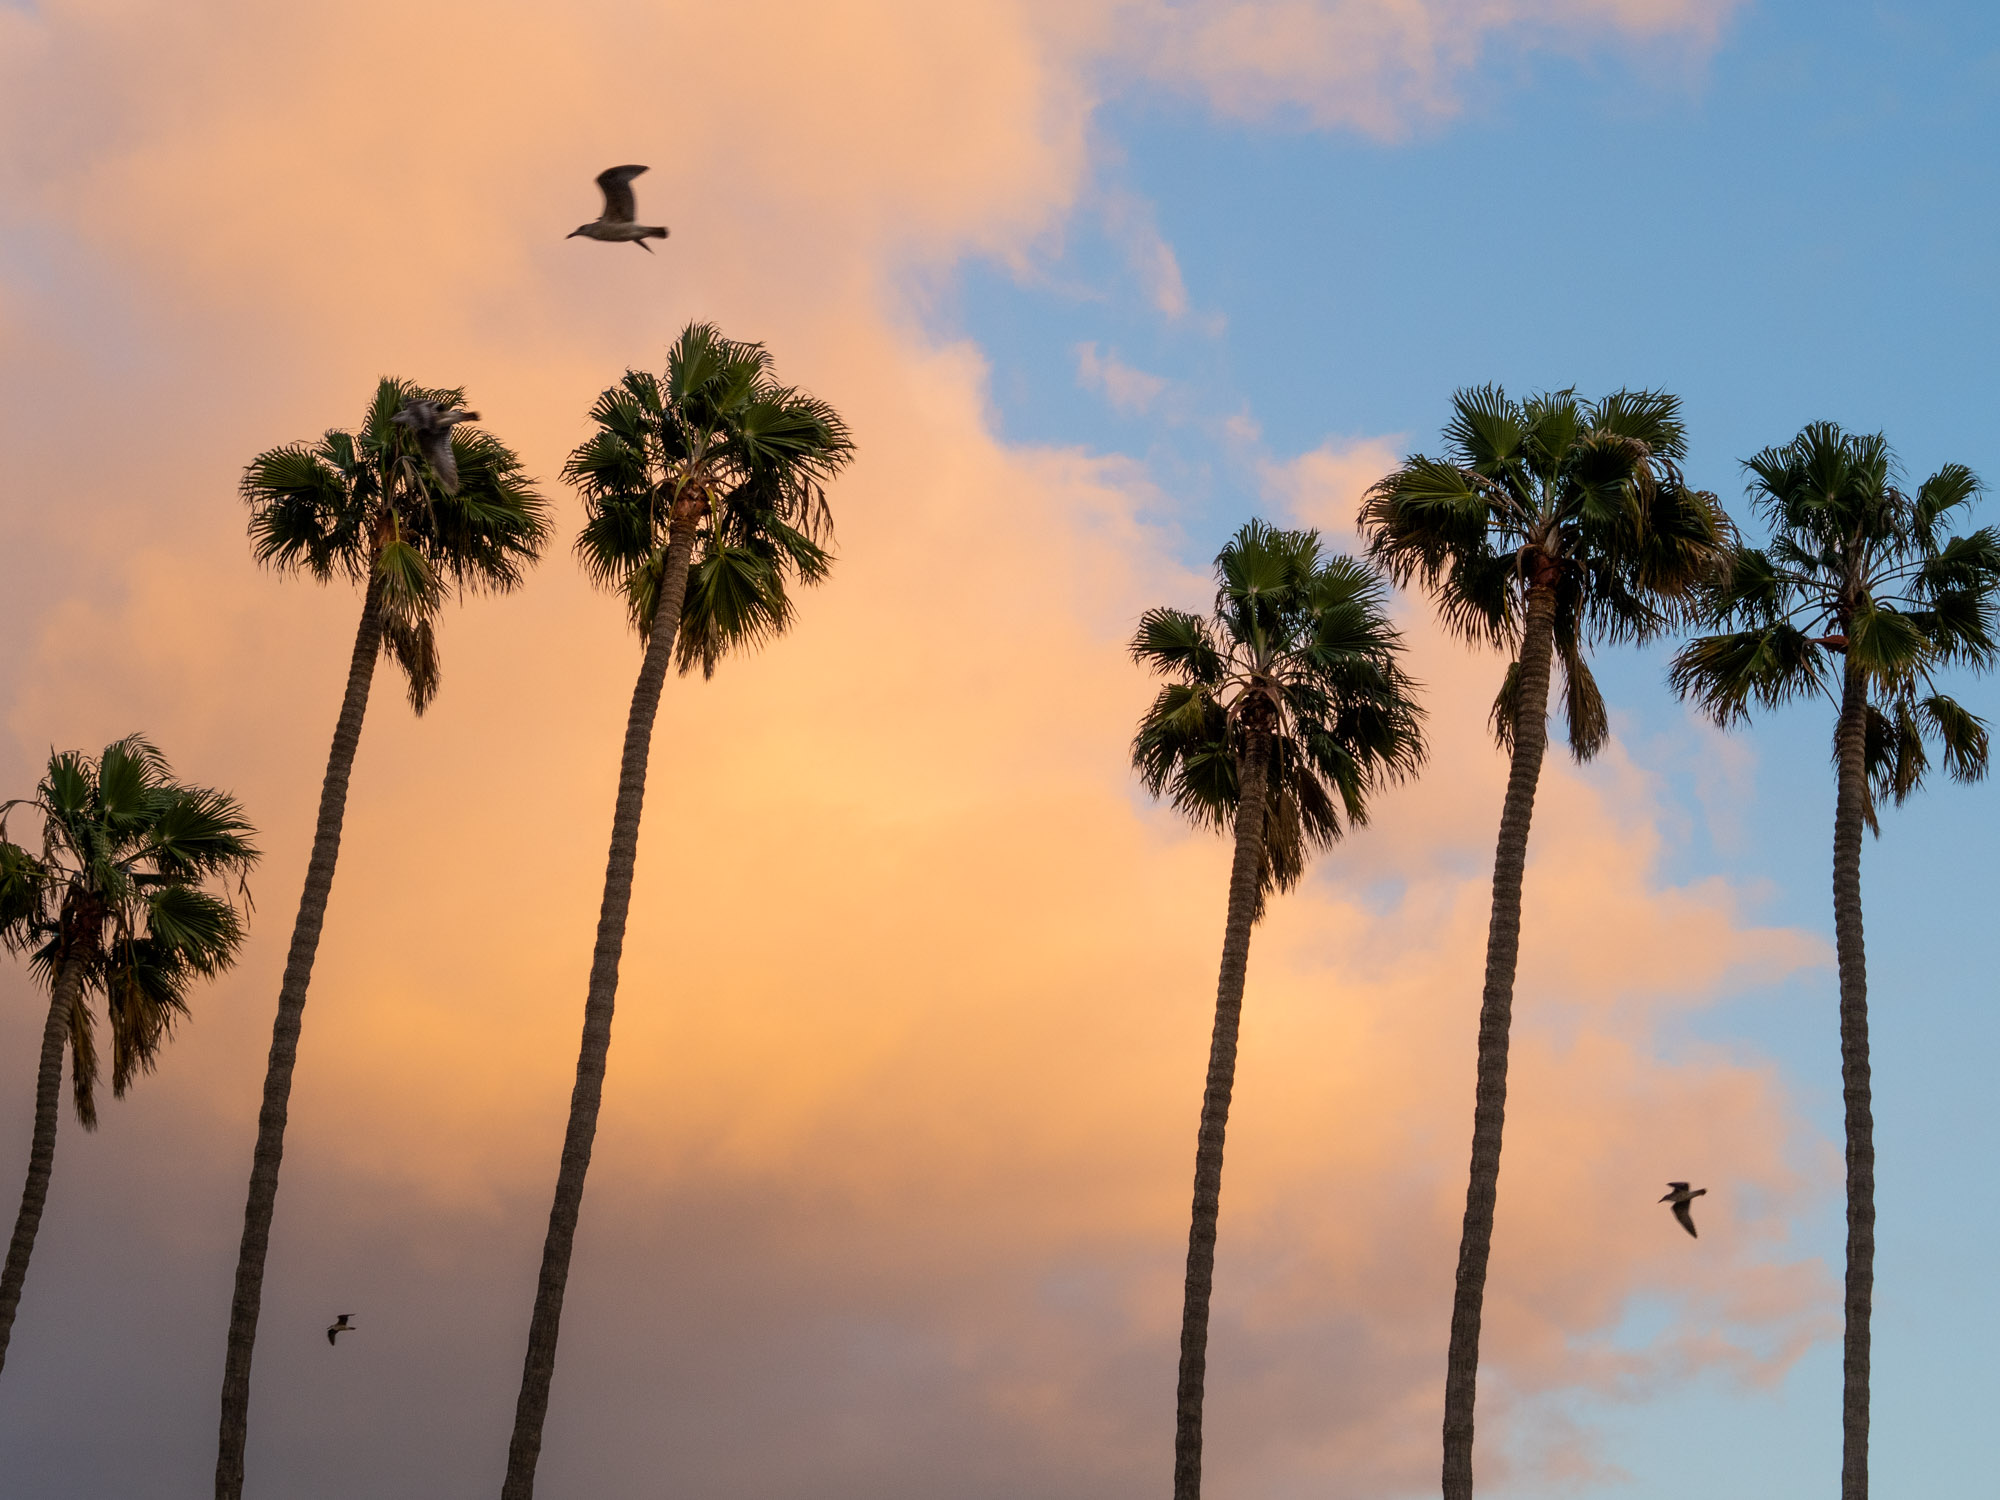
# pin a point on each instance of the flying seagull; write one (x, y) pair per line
(620, 208)
(1681, 1198)
(432, 428)
(334, 1330)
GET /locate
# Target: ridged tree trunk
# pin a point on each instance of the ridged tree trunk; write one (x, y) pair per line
(1244, 873)
(525, 1450)
(270, 1151)
(1496, 1011)
(1850, 800)
(42, 1152)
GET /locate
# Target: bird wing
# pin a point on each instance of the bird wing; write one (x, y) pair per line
(1687, 1219)
(331, 1332)
(438, 449)
(619, 204)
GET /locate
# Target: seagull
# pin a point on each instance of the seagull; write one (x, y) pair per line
(432, 428)
(1681, 1198)
(342, 1326)
(620, 208)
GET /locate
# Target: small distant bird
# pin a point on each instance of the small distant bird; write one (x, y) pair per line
(1679, 1195)
(432, 426)
(620, 209)
(342, 1325)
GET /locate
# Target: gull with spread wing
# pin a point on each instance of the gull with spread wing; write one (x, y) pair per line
(1679, 1195)
(621, 209)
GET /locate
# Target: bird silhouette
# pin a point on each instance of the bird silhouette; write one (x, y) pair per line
(339, 1326)
(620, 211)
(1679, 1195)
(431, 425)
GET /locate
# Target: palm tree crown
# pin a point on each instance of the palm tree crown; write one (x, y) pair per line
(1299, 650)
(119, 895)
(722, 441)
(1858, 568)
(365, 505)
(1583, 497)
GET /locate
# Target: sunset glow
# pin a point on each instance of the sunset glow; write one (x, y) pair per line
(890, 1190)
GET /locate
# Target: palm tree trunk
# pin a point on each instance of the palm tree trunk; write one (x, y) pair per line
(1496, 1009)
(42, 1153)
(270, 1150)
(538, 1371)
(1244, 874)
(1850, 802)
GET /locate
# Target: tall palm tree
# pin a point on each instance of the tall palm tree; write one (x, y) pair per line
(1859, 597)
(703, 496)
(1285, 710)
(368, 507)
(117, 904)
(1548, 525)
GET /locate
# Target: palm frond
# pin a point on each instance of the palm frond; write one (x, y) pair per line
(1725, 675)
(1585, 718)
(736, 600)
(412, 645)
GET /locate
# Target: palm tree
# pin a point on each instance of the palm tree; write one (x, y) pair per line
(1548, 526)
(367, 506)
(116, 905)
(1860, 571)
(703, 496)
(1285, 710)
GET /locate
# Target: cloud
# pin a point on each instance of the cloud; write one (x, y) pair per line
(1130, 222)
(1128, 390)
(890, 1191)
(1384, 66)
(1323, 488)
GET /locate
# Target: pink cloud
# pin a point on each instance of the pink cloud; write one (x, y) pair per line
(1384, 66)
(1127, 389)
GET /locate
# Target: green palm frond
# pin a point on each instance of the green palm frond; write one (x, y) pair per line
(1726, 675)
(736, 600)
(1586, 721)
(23, 880)
(1961, 735)
(1172, 640)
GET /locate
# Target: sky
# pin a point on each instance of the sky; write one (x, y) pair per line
(891, 1184)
